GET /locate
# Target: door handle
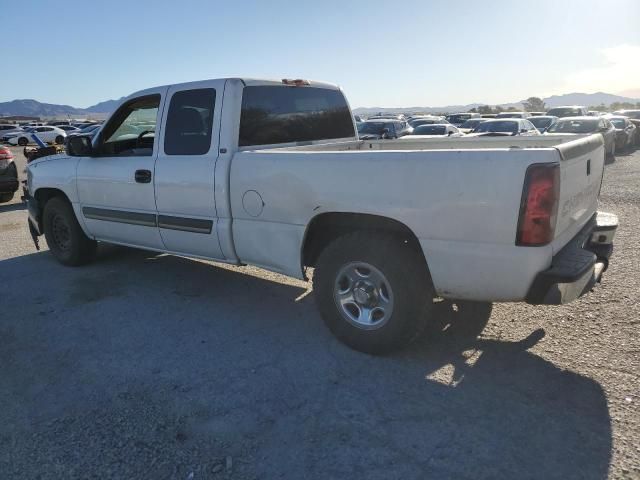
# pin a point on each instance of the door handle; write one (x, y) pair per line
(143, 176)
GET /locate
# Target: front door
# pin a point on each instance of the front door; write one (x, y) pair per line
(115, 185)
(184, 177)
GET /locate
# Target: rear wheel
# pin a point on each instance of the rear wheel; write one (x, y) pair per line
(22, 141)
(6, 197)
(59, 140)
(373, 291)
(65, 238)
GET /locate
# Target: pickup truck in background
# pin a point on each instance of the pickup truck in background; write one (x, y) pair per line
(273, 174)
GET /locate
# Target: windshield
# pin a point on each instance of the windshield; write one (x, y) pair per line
(459, 117)
(574, 126)
(564, 112)
(541, 122)
(617, 122)
(374, 128)
(505, 126)
(430, 130)
(473, 123)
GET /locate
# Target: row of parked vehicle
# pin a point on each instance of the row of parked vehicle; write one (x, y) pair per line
(620, 129)
(54, 132)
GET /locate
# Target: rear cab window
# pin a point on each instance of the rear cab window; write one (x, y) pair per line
(273, 114)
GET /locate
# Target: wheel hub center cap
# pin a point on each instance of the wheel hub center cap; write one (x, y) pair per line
(365, 294)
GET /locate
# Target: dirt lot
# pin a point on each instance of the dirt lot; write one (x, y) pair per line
(151, 366)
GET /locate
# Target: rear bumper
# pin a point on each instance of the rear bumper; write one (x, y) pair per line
(578, 266)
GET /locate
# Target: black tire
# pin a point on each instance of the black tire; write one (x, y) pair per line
(59, 140)
(6, 197)
(22, 141)
(65, 238)
(406, 272)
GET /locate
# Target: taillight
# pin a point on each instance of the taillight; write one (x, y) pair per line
(539, 205)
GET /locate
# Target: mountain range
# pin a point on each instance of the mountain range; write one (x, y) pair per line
(33, 108)
(587, 99)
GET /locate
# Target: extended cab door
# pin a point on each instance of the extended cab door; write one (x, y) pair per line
(115, 185)
(184, 178)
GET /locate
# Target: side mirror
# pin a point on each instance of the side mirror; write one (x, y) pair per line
(79, 146)
(523, 130)
(385, 133)
(450, 133)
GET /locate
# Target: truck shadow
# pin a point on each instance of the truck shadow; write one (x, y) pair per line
(233, 364)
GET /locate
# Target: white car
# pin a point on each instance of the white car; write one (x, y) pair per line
(437, 130)
(388, 225)
(47, 134)
(9, 130)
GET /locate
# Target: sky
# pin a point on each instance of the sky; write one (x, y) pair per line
(382, 53)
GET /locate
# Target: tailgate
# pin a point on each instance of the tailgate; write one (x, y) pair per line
(581, 170)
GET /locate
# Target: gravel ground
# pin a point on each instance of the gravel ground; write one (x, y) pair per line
(152, 366)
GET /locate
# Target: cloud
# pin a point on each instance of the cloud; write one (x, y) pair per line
(619, 71)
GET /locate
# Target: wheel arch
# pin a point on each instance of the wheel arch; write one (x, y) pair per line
(42, 195)
(327, 226)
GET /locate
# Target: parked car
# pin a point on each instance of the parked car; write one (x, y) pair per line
(89, 130)
(8, 130)
(383, 129)
(426, 120)
(568, 111)
(47, 134)
(458, 119)
(8, 175)
(383, 116)
(543, 122)
(634, 117)
(504, 127)
(585, 125)
(434, 130)
(469, 125)
(245, 172)
(625, 131)
(513, 115)
(69, 129)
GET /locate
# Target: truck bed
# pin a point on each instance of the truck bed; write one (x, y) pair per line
(460, 197)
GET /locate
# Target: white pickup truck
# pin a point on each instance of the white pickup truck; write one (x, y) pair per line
(272, 173)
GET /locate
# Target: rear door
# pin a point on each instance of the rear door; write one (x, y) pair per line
(184, 172)
(115, 187)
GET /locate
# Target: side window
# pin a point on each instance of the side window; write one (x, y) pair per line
(190, 122)
(131, 130)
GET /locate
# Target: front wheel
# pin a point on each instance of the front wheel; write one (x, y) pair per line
(59, 140)
(373, 290)
(6, 197)
(65, 238)
(22, 141)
